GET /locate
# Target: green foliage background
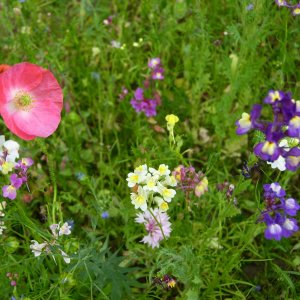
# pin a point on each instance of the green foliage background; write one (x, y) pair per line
(210, 78)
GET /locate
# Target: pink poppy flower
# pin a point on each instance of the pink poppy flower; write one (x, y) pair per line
(31, 101)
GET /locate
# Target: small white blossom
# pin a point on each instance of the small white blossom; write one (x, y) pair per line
(166, 193)
(142, 169)
(170, 180)
(140, 199)
(65, 256)
(134, 179)
(37, 248)
(151, 182)
(54, 228)
(65, 229)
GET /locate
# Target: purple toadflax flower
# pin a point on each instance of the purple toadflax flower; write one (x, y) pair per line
(277, 212)
(156, 232)
(10, 191)
(296, 10)
(281, 2)
(247, 122)
(282, 135)
(154, 63)
(144, 104)
(158, 74)
(139, 103)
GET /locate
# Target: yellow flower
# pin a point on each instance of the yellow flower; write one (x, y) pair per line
(172, 120)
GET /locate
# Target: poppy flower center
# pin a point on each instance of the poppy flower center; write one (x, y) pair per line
(23, 101)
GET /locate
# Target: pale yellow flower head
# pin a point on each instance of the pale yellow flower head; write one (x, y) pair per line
(172, 120)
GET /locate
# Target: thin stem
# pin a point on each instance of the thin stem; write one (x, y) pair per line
(51, 166)
(159, 225)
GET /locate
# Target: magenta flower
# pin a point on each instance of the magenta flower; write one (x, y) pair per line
(10, 191)
(155, 233)
(158, 74)
(139, 103)
(154, 63)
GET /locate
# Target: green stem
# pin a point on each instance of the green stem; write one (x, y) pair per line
(159, 225)
(51, 166)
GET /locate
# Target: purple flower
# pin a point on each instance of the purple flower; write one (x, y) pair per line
(105, 215)
(281, 2)
(273, 230)
(247, 122)
(273, 190)
(154, 63)
(249, 7)
(296, 10)
(289, 226)
(139, 103)
(292, 159)
(294, 127)
(156, 233)
(274, 96)
(158, 74)
(24, 164)
(139, 94)
(149, 107)
(10, 191)
(290, 206)
(267, 150)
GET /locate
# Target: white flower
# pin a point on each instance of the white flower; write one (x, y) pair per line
(279, 163)
(2, 227)
(54, 228)
(151, 182)
(163, 170)
(140, 199)
(2, 207)
(163, 205)
(166, 193)
(65, 229)
(142, 169)
(65, 256)
(170, 180)
(115, 44)
(12, 148)
(37, 248)
(134, 178)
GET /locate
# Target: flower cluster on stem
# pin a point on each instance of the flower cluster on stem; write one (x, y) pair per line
(147, 104)
(57, 231)
(190, 181)
(281, 144)
(278, 212)
(152, 193)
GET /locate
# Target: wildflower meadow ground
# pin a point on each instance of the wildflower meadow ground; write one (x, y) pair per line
(149, 149)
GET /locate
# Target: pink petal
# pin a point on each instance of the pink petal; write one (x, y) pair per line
(48, 90)
(42, 120)
(23, 76)
(8, 120)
